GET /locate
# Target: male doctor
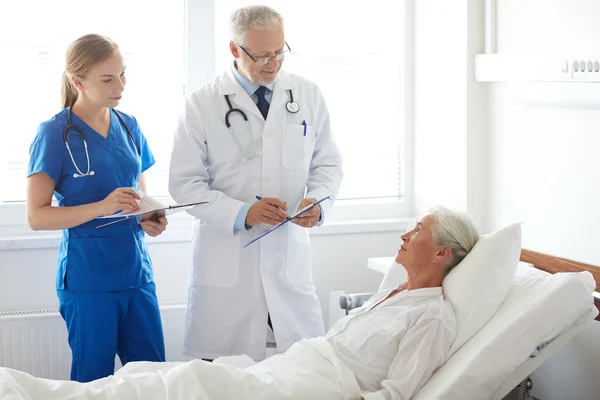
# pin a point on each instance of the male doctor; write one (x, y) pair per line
(253, 133)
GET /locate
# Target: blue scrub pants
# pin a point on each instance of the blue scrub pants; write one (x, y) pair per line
(102, 324)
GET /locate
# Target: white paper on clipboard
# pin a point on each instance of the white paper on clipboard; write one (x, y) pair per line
(288, 219)
(148, 205)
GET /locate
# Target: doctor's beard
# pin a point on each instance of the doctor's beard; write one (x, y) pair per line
(259, 78)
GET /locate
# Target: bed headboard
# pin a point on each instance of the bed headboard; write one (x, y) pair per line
(553, 264)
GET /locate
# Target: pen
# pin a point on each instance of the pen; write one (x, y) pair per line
(304, 123)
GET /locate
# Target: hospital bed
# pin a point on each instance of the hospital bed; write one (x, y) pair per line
(522, 334)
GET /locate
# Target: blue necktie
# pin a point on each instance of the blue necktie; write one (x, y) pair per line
(263, 104)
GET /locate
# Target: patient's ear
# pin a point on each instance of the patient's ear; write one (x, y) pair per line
(445, 253)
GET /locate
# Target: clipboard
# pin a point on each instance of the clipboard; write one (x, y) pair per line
(164, 210)
(288, 219)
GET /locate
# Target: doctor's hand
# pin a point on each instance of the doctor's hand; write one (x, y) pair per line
(309, 218)
(268, 210)
(119, 199)
(154, 224)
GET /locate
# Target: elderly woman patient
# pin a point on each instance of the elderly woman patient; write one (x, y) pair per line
(387, 349)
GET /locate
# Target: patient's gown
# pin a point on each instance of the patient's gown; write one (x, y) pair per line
(394, 348)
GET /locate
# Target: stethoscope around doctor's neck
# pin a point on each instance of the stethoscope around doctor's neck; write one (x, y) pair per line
(291, 106)
(71, 129)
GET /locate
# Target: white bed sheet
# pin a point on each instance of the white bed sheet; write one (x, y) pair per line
(538, 308)
(309, 370)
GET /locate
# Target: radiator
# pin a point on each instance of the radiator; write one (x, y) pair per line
(36, 341)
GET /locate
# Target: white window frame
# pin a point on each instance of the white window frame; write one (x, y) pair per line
(346, 216)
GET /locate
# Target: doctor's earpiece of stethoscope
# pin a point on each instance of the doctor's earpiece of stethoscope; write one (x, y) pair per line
(228, 124)
(231, 111)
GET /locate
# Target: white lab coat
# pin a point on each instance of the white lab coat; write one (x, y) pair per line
(231, 288)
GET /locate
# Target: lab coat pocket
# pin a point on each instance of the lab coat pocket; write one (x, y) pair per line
(298, 260)
(298, 146)
(216, 256)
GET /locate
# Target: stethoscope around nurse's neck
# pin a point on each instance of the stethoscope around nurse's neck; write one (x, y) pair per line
(291, 106)
(75, 130)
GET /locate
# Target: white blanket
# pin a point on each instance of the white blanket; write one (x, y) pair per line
(308, 370)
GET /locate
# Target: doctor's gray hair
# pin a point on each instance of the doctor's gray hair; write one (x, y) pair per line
(82, 55)
(252, 16)
(454, 230)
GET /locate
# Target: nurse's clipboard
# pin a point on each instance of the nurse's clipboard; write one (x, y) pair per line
(288, 219)
(148, 205)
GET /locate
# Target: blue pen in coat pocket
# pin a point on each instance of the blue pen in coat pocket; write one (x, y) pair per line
(304, 123)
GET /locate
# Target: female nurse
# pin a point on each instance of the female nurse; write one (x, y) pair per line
(92, 158)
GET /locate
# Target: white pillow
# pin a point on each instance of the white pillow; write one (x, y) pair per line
(477, 286)
(538, 308)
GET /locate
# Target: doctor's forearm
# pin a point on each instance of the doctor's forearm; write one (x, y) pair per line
(56, 218)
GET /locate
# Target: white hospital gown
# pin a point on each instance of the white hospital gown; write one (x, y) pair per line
(394, 348)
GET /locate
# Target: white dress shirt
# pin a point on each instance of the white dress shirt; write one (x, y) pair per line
(394, 347)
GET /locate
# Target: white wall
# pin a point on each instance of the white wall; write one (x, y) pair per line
(339, 263)
(545, 169)
(545, 165)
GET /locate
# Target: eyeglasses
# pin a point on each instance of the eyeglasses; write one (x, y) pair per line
(265, 60)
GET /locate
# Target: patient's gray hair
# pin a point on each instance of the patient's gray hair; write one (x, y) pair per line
(252, 16)
(455, 230)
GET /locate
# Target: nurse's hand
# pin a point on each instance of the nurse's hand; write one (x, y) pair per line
(268, 210)
(154, 224)
(309, 218)
(119, 199)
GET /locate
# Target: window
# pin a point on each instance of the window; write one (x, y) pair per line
(354, 53)
(34, 36)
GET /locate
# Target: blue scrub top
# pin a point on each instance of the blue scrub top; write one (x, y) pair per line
(114, 257)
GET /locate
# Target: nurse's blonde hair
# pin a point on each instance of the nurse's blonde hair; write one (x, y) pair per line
(82, 55)
(252, 16)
